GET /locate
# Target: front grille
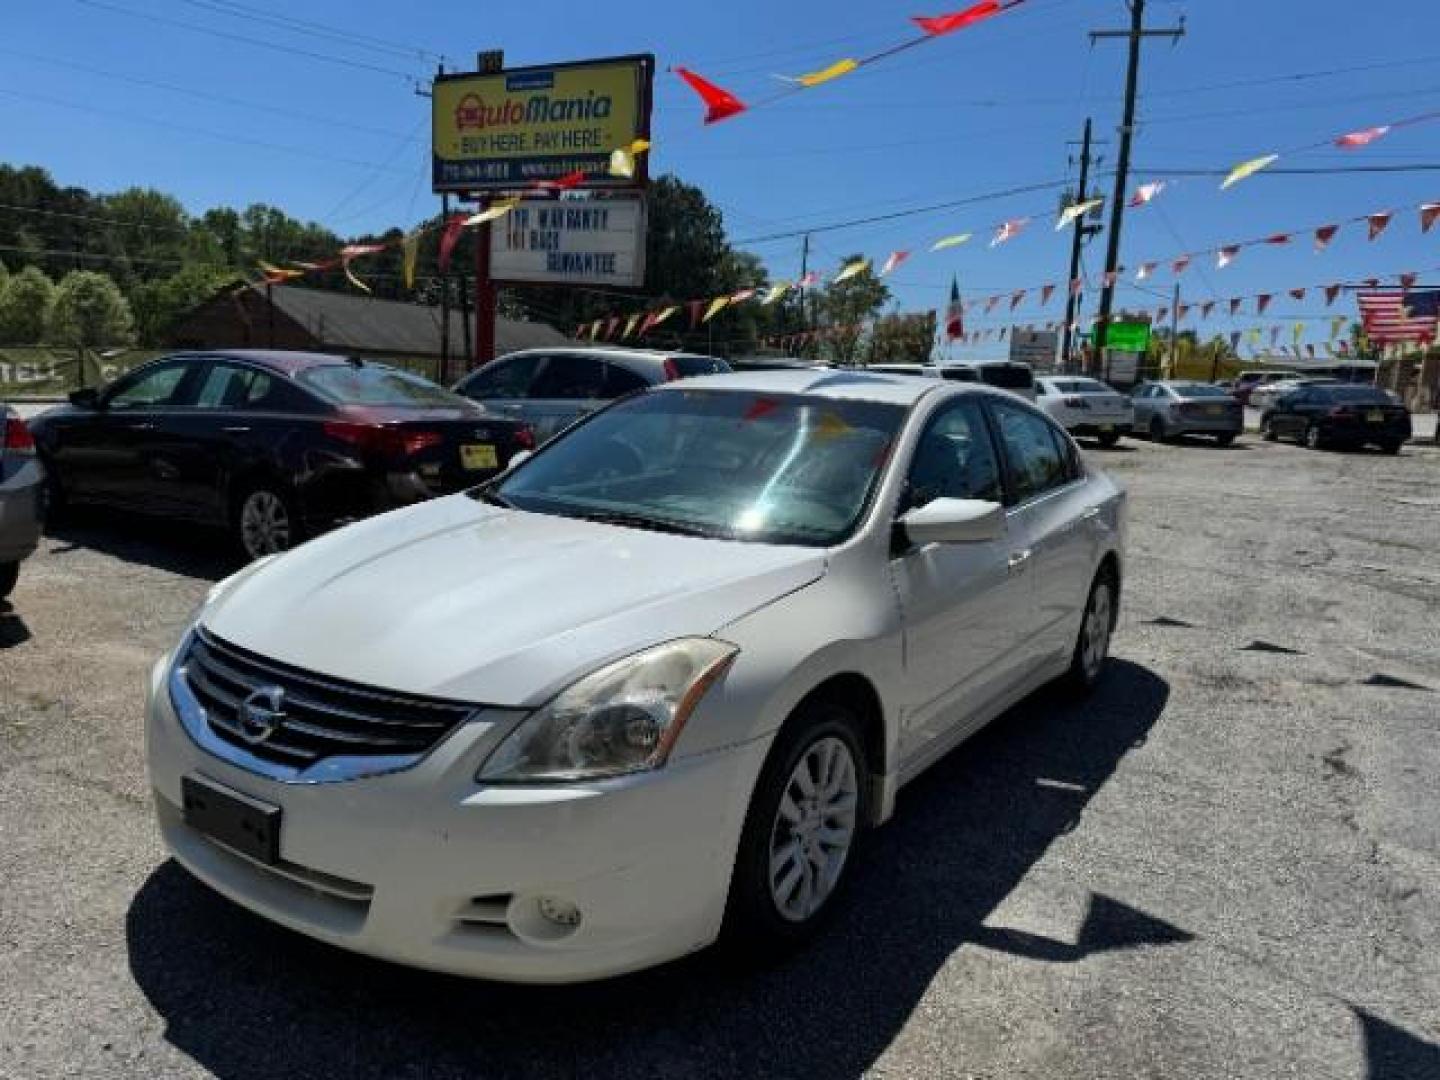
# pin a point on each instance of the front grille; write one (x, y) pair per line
(317, 717)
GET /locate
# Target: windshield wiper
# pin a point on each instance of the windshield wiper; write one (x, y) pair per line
(494, 498)
(640, 521)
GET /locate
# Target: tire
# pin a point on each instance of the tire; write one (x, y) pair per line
(1313, 438)
(1092, 643)
(1226, 439)
(768, 911)
(1267, 429)
(1108, 439)
(1157, 430)
(264, 520)
(1390, 447)
(9, 574)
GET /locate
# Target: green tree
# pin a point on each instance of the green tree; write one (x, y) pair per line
(156, 305)
(903, 339)
(24, 306)
(844, 308)
(89, 311)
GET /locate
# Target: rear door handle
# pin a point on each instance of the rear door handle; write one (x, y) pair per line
(1018, 561)
(140, 426)
(238, 429)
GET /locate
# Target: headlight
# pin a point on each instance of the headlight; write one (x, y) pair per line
(621, 719)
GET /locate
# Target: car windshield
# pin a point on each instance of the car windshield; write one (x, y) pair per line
(1080, 386)
(376, 384)
(1195, 389)
(768, 468)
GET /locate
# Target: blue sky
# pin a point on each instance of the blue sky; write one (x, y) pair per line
(984, 110)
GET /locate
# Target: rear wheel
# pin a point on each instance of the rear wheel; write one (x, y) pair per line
(1108, 438)
(1267, 429)
(1390, 446)
(1092, 646)
(1157, 430)
(9, 574)
(1225, 438)
(264, 521)
(1313, 437)
(805, 817)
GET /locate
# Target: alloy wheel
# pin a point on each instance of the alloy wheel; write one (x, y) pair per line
(1095, 640)
(264, 524)
(813, 830)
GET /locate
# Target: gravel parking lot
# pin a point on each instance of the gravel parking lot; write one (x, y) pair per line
(1226, 864)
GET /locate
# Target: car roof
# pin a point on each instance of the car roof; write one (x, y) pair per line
(611, 353)
(837, 383)
(281, 360)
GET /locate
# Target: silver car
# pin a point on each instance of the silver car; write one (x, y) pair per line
(21, 486)
(552, 388)
(1164, 410)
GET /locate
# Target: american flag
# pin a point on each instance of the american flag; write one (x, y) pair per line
(1396, 315)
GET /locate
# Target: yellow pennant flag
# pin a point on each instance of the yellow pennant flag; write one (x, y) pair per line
(1248, 168)
(830, 426)
(630, 324)
(1298, 330)
(715, 307)
(410, 248)
(1070, 213)
(639, 146)
(622, 162)
(951, 241)
(1337, 324)
(498, 209)
(353, 279)
(850, 269)
(664, 315)
(824, 75)
(278, 273)
(779, 289)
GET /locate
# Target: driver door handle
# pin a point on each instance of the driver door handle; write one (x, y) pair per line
(1018, 561)
(236, 429)
(141, 425)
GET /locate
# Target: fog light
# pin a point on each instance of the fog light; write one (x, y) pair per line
(560, 912)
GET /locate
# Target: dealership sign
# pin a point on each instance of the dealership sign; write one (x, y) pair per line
(592, 241)
(1034, 347)
(513, 128)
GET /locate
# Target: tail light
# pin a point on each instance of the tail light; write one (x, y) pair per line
(525, 437)
(16, 438)
(391, 442)
(1076, 403)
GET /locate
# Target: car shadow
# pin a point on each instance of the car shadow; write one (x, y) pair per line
(13, 630)
(174, 546)
(251, 1001)
(1208, 443)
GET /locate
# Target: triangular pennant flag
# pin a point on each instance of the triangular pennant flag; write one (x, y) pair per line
(276, 274)
(1146, 269)
(697, 309)
(1408, 279)
(1179, 265)
(1331, 292)
(715, 307)
(565, 183)
(1075, 210)
(809, 280)
(1356, 139)
(1297, 332)
(497, 209)
(611, 325)
(1017, 298)
(1428, 213)
(354, 251)
(1110, 278)
(1262, 302)
(622, 163)
(720, 104)
(895, 259)
(1378, 222)
(1045, 294)
(453, 228)
(741, 295)
(1206, 308)
(595, 328)
(1146, 193)
(1226, 255)
(665, 314)
(950, 241)
(630, 324)
(937, 25)
(990, 303)
(1278, 238)
(1235, 303)
(779, 289)
(1076, 285)
(648, 323)
(1297, 294)
(1247, 169)
(1008, 231)
(1323, 235)
(824, 75)
(410, 249)
(850, 269)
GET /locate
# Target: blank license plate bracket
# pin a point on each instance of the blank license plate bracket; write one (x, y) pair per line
(247, 825)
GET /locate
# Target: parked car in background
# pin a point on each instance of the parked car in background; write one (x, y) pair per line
(1006, 375)
(1086, 407)
(953, 372)
(1247, 381)
(21, 497)
(273, 446)
(550, 389)
(772, 363)
(1266, 394)
(1344, 415)
(919, 370)
(573, 723)
(1169, 408)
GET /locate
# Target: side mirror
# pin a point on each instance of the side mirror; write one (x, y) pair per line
(954, 521)
(519, 458)
(86, 398)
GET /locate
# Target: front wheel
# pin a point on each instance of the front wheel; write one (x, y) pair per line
(1092, 646)
(1267, 429)
(1225, 439)
(1313, 438)
(1391, 446)
(796, 849)
(9, 575)
(1108, 439)
(265, 521)
(1157, 430)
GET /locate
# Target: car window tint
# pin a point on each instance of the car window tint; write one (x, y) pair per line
(1007, 376)
(508, 377)
(570, 377)
(1033, 461)
(228, 386)
(954, 459)
(376, 384)
(685, 366)
(620, 381)
(152, 390)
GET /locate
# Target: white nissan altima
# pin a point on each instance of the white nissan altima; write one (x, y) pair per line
(647, 686)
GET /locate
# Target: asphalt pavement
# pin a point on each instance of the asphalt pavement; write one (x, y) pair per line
(1225, 864)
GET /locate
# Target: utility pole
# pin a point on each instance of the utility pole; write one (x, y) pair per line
(1136, 34)
(804, 269)
(1082, 232)
(1175, 334)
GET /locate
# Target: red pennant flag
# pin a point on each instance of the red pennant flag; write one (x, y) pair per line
(1181, 311)
(1262, 302)
(1206, 308)
(1016, 299)
(1009, 230)
(1110, 277)
(565, 183)
(1324, 235)
(1298, 294)
(611, 325)
(1378, 222)
(1146, 269)
(936, 25)
(1408, 279)
(1331, 292)
(1045, 294)
(453, 228)
(1235, 303)
(1076, 284)
(697, 308)
(720, 104)
(1226, 256)
(1278, 238)
(647, 322)
(1428, 213)
(990, 304)
(895, 259)
(1180, 264)
(1357, 139)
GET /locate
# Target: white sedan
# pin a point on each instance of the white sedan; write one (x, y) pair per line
(651, 682)
(1086, 407)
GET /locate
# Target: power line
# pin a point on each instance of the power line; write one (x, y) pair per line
(316, 29)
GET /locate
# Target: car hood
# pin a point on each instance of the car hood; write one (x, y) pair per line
(458, 599)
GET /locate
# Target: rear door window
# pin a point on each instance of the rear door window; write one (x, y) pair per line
(570, 377)
(620, 381)
(504, 379)
(1034, 463)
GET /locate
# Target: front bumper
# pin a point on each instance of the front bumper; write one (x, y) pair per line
(1225, 424)
(427, 868)
(21, 511)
